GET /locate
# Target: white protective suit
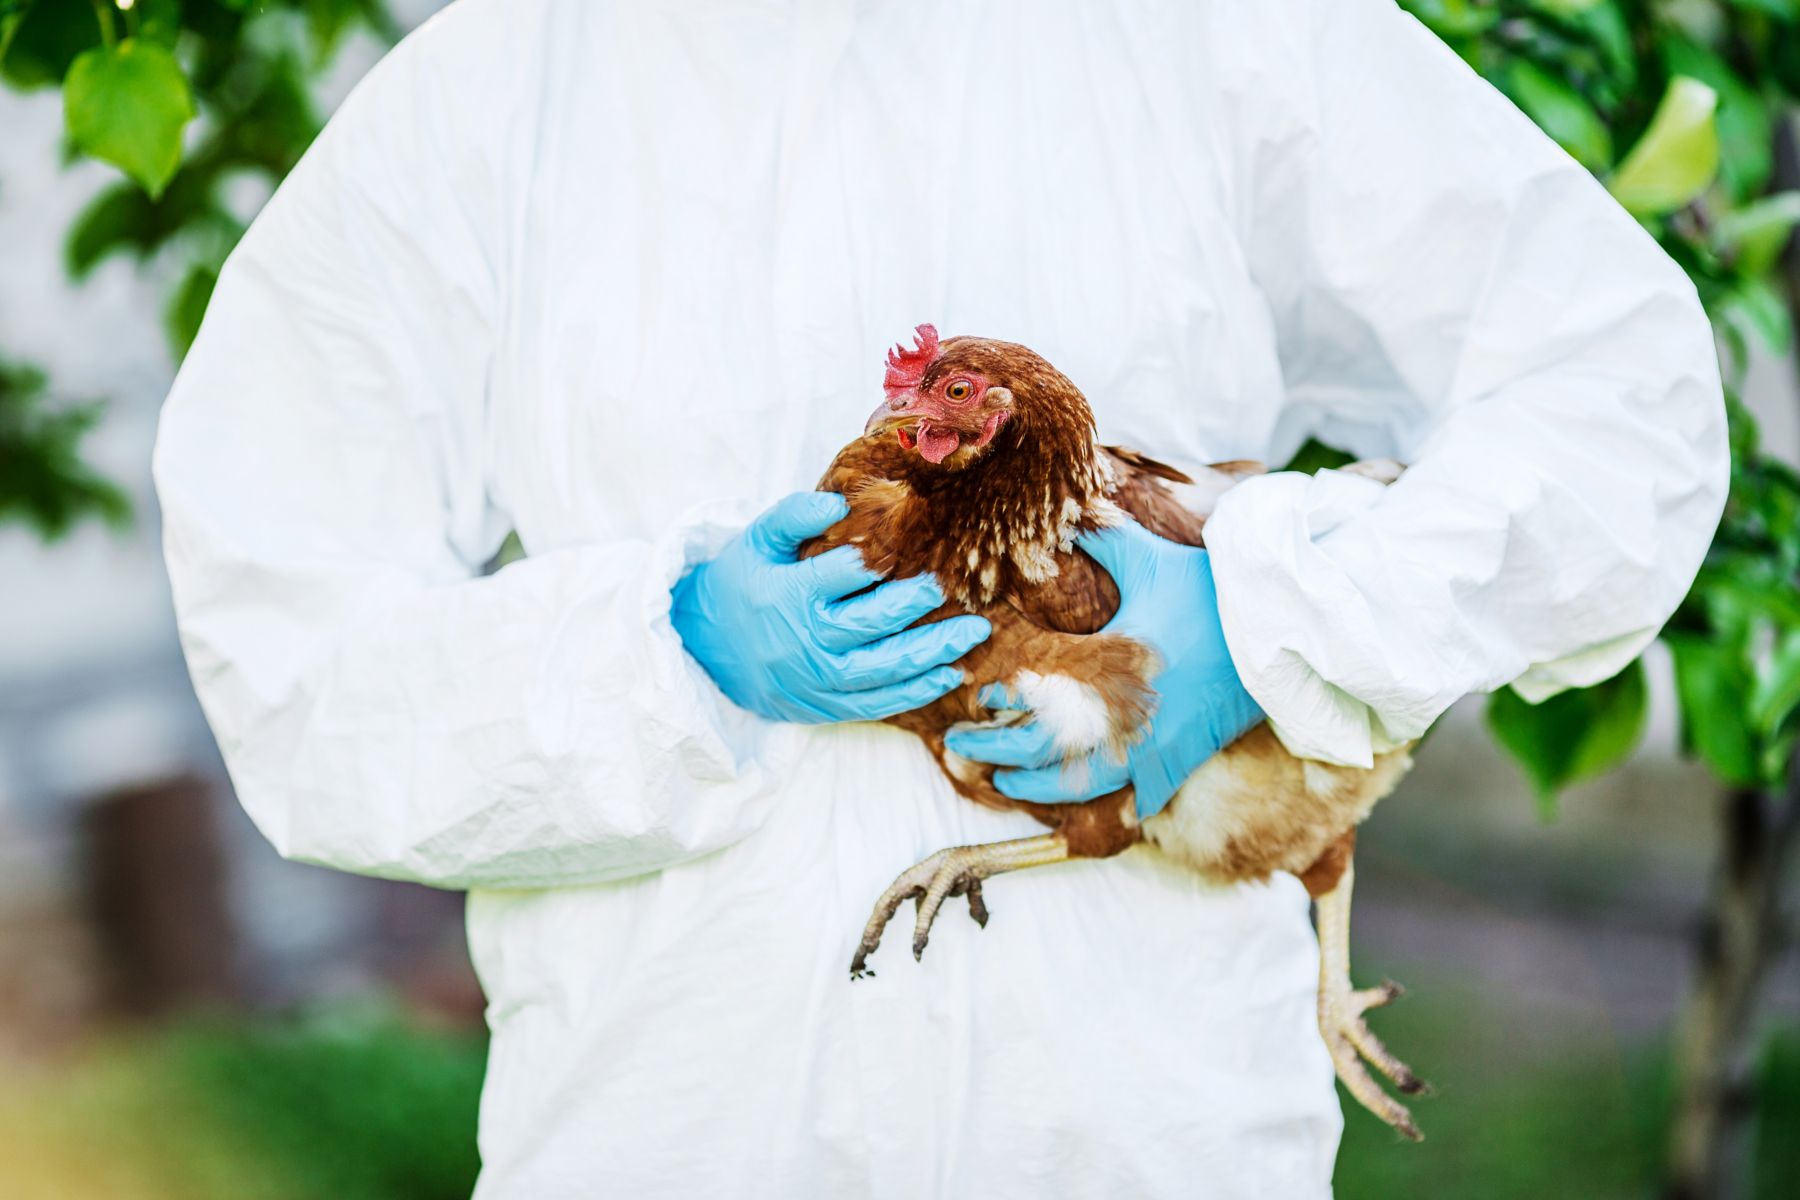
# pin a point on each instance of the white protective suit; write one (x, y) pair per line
(619, 275)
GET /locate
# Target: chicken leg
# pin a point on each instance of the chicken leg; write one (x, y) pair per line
(957, 871)
(1341, 1009)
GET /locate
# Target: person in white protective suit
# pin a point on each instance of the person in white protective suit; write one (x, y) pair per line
(620, 276)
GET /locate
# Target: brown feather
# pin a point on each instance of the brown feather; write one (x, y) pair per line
(997, 532)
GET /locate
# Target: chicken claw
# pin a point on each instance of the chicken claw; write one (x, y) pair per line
(957, 871)
(1341, 1008)
(1349, 1041)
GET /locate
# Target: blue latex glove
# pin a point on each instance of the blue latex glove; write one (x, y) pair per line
(779, 639)
(1166, 600)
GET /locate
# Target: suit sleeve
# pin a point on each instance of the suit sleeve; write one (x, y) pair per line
(1446, 286)
(322, 467)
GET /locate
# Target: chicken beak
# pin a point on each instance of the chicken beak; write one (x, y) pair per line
(890, 413)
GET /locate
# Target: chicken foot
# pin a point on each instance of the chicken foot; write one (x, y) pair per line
(957, 871)
(1341, 1008)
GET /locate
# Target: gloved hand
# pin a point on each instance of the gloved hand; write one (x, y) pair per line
(1166, 600)
(778, 638)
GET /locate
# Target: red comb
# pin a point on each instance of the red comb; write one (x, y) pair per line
(906, 368)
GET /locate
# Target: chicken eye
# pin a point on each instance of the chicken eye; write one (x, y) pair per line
(962, 389)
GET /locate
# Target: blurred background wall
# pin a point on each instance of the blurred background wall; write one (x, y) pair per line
(342, 1049)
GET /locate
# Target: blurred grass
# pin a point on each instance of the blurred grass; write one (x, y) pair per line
(336, 1108)
(1529, 1104)
(366, 1108)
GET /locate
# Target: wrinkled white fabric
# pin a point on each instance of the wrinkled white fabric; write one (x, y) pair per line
(619, 275)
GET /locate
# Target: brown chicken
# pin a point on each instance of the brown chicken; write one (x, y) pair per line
(982, 469)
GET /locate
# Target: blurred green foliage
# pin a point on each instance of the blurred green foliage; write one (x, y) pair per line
(1574, 735)
(1736, 639)
(341, 1108)
(1693, 93)
(43, 481)
(198, 103)
(132, 78)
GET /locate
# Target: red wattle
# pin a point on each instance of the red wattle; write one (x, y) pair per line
(937, 444)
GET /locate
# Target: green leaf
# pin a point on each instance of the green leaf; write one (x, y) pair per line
(1776, 697)
(188, 306)
(1562, 112)
(43, 39)
(127, 104)
(1573, 735)
(1678, 155)
(1748, 589)
(1605, 25)
(1744, 122)
(119, 217)
(1758, 232)
(43, 481)
(1713, 681)
(1316, 456)
(277, 120)
(1761, 308)
(122, 219)
(511, 550)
